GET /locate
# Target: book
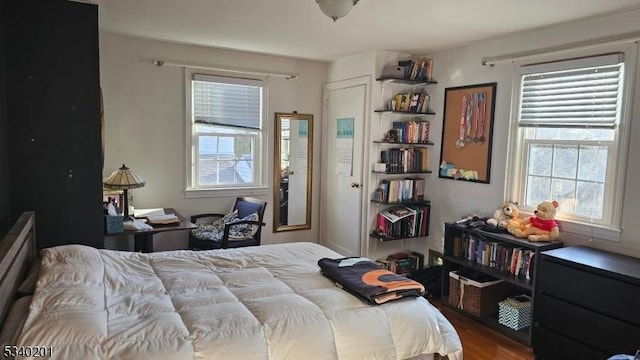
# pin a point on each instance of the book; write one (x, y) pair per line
(396, 213)
(429, 69)
(141, 213)
(163, 219)
(418, 186)
(381, 225)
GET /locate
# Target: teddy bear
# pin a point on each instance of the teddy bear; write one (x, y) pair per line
(541, 226)
(508, 212)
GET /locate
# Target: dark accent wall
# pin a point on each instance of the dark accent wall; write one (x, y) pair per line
(5, 204)
(52, 112)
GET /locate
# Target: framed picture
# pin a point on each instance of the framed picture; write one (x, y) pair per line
(467, 131)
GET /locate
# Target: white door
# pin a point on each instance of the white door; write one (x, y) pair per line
(342, 172)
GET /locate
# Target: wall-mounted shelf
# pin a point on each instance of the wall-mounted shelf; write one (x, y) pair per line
(428, 143)
(385, 111)
(401, 173)
(406, 202)
(388, 238)
(406, 81)
(407, 153)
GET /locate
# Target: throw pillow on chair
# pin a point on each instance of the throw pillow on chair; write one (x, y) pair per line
(244, 231)
(215, 230)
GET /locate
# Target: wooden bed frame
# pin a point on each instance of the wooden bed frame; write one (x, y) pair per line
(17, 254)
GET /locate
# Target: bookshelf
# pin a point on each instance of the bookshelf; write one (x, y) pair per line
(402, 147)
(459, 253)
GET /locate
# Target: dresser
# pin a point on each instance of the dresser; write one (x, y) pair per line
(587, 304)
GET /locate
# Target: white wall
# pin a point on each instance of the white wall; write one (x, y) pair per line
(144, 112)
(462, 66)
(144, 121)
(453, 199)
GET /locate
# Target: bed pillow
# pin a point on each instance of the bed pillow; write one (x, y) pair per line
(214, 231)
(244, 231)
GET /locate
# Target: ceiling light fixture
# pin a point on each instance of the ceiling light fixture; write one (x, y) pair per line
(336, 9)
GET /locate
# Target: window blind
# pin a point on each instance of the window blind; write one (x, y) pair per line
(588, 96)
(227, 101)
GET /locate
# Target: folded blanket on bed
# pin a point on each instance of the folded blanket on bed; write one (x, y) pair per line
(367, 280)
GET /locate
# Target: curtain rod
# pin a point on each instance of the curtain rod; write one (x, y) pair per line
(288, 76)
(611, 40)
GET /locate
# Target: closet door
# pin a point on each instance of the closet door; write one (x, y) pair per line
(53, 118)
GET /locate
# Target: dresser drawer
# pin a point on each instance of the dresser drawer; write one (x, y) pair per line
(552, 346)
(588, 327)
(605, 295)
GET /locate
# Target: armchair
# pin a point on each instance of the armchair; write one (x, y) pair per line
(239, 228)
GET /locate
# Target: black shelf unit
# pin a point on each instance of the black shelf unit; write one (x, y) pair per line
(516, 284)
(523, 336)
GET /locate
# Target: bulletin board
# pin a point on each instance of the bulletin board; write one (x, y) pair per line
(467, 132)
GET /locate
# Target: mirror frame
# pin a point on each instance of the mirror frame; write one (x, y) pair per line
(276, 170)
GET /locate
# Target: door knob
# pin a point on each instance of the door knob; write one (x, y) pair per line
(355, 185)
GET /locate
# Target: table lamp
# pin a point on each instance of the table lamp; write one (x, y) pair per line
(124, 179)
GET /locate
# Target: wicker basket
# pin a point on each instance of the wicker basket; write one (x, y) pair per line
(480, 299)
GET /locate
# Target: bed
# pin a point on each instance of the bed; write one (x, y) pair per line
(267, 302)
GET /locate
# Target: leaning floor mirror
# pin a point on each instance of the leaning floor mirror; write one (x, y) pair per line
(292, 171)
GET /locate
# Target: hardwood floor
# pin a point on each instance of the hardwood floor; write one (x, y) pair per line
(482, 343)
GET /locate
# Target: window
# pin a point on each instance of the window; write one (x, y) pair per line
(226, 131)
(569, 140)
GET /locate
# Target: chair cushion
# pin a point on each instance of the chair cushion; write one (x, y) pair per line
(244, 231)
(214, 231)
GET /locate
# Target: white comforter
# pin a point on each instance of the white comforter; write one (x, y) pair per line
(267, 302)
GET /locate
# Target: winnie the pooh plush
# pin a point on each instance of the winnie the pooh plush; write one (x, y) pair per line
(541, 226)
(508, 212)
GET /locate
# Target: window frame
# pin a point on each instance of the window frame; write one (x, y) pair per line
(516, 170)
(260, 187)
(196, 164)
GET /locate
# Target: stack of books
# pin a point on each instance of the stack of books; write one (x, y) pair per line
(413, 102)
(163, 219)
(404, 160)
(403, 221)
(414, 131)
(417, 69)
(391, 191)
(502, 256)
(404, 262)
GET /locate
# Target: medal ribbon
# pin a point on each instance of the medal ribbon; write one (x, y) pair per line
(481, 100)
(460, 142)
